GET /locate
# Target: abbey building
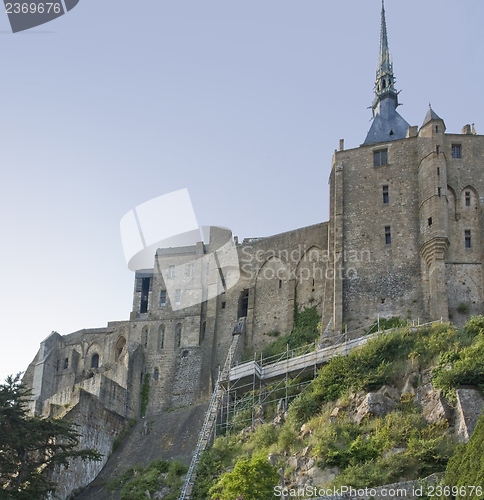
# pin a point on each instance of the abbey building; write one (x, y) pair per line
(404, 239)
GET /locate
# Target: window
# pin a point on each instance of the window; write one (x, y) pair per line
(190, 270)
(177, 297)
(468, 198)
(467, 234)
(456, 151)
(163, 298)
(171, 272)
(156, 374)
(385, 194)
(145, 336)
(439, 191)
(437, 149)
(178, 335)
(280, 283)
(145, 290)
(66, 363)
(388, 235)
(57, 366)
(438, 171)
(430, 221)
(437, 131)
(162, 337)
(224, 304)
(95, 361)
(380, 157)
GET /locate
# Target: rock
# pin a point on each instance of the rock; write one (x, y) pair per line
(374, 404)
(426, 376)
(294, 462)
(303, 427)
(278, 420)
(389, 392)
(281, 407)
(301, 480)
(469, 407)
(310, 463)
(147, 494)
(410, 383)
(272, 459)
(321, 477)
(305, 451)
(393, 451)
(305, 433)
(433, 405)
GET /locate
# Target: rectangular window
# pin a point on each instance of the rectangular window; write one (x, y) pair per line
(223, 305)
(163, 298)
(456, 151)
(190, 269)
(385, 194)
(437, 149)
(430, 221)
(380, 157)
(439, 191)
(388, 235)
(171, 272)
(468, 238)
(438, 171)
(280, 283)
(177, 297)
(436, 129)
(468, 198)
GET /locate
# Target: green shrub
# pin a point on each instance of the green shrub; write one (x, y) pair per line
(467, 368)
(466, 467)
(463, 308)
(252, 479)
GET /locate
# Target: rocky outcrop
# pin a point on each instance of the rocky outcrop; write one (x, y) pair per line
(433, 405)
(469, 407)
(374, 404)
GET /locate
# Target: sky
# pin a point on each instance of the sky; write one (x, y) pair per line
(241, 102)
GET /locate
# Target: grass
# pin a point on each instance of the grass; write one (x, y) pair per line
(380, 450)
(136, 481)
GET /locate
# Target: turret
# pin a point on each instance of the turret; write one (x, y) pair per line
(433, 213)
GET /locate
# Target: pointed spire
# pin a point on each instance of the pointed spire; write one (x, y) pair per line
(385, 80)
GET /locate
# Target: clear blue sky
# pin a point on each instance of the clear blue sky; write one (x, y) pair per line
(241, 102)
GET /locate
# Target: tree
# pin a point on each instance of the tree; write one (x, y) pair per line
(253, 479)
(32, 446)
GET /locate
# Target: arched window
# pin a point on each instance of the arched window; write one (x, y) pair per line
(156, 374)
(95, 361)
(178, 334)
(162, 336)
(119, 347)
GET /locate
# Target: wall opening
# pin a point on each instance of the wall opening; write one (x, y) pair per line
(145, 290)
(243, 303)
(95, 361)
(119, 347)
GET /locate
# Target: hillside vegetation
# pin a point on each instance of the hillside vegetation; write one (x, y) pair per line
(320, 428)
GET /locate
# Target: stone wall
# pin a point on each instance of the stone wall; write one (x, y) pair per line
(98, 428)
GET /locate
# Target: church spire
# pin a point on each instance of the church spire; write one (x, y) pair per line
(385, 80)
(387, 124)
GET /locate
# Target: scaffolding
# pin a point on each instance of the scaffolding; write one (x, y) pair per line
(246, 386)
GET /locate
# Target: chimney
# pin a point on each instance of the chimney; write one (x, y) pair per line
(466, 129)
(341, 144)
(473, 130)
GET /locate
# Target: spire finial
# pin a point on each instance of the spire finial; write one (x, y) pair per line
(385, 79)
